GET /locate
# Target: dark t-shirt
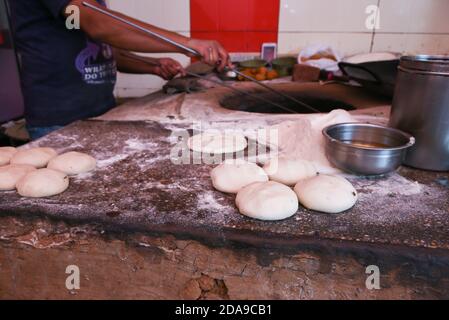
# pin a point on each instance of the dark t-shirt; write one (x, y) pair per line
(65, 75)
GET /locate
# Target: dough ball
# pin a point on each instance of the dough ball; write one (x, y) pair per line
(267, 201)
(6, 154)
(231, 177)
(43, 183)
(324, 193)
(73, 163)
(289, 171)
(10, 175)
(217, 143)
(36, 157)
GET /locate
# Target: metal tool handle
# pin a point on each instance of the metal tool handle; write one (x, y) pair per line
(242, 92)
(152, 33)
(196, 53)
(276, 91)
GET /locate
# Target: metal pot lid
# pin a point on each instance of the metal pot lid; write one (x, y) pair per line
(426, 63)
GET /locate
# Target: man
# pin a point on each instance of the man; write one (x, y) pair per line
(68, 75)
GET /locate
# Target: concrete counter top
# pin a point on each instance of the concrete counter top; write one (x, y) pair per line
(136, 187)
(140, 226)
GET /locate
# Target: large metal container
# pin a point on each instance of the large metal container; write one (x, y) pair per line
(421, 108)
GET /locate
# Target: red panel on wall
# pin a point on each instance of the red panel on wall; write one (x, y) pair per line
(256, 39)
(240, 25)
(233, 41)
(264, 15)
(203, 15)
(233, 15)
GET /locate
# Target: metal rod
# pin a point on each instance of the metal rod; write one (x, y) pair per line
(196, 53)
(132, 24)
(276, 91)
(242, 92)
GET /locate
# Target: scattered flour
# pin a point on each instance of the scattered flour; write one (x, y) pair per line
(110, 161)
(139, 145)
(132, 146)
(303, 138)
(171, 186)
(71, 142)
(394, 184)
(157, 159)
(145, 164)
(207, 201)
(84, 176)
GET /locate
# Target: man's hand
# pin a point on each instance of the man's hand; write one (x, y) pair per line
(168, 68)
(212, 52)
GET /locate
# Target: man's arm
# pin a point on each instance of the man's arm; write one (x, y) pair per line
(119, 35)
(165, 68)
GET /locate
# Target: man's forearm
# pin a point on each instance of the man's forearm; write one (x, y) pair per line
(120, 35)
(166, 68)
(127, 64)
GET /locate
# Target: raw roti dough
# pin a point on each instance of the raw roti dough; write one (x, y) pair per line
(217, 143)
(324, 193)
(267, 201)
(36, 157)
(289, 171)
(43, 183)
(231, 176)
(6, 154)
(10, 175)
(73, 163)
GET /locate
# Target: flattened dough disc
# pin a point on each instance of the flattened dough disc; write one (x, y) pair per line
(217, 143)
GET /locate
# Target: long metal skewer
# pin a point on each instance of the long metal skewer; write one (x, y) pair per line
(132, 24)
(289, 97)
(242, 92)
(196, 53)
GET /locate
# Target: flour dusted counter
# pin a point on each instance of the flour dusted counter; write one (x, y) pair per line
(141, 226)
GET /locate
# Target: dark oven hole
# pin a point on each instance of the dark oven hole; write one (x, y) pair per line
(240, 102)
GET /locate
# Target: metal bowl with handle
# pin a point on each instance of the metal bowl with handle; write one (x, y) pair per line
(366, 149)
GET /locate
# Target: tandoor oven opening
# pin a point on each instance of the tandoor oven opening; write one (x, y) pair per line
(240, 102)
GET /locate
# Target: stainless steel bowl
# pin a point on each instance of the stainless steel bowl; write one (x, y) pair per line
(366, 149)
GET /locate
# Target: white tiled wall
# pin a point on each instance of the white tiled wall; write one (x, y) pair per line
(415, 16)
(169, 14)
(412, 43)
(409, 26)
(323, 15)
